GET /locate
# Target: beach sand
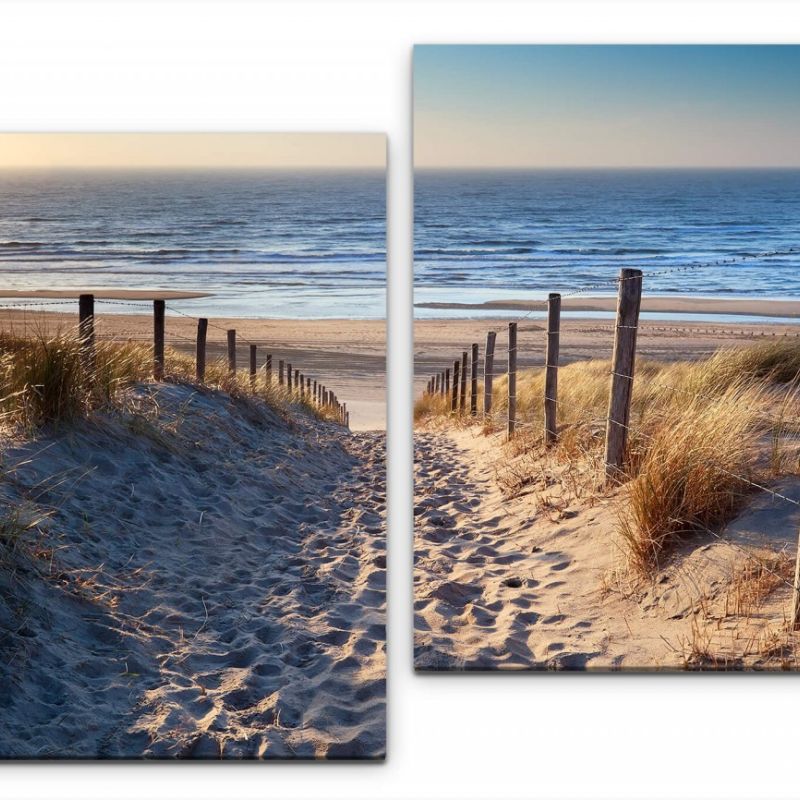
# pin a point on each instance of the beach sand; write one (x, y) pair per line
(348, 356)
(533, 582)
(193, 576)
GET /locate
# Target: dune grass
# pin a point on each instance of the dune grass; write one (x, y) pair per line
(43, 380)
(695, 427)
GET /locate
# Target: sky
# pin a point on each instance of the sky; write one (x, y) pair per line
(573, 106)
(192, 150)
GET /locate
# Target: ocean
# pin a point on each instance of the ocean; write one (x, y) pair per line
(483, 235)
(286, 244)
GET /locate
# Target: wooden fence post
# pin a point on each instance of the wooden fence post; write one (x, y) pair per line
(158, 339)
(622, 367)
(289, 377)
(454, 400)
(280, 372)
(473, 395)
(302, 382)
(200, 349)
(436, 384)
(315, 394)
(447, 382)
(232, 352)
(268, 369)
(551, 372)
(512, 378)
(253, 367)
(488, 372)
(86, 334)
(308, 390)
(462, 400)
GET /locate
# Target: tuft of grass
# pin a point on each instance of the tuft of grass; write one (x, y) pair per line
(42, 380)
(686, 479)
(16, 523)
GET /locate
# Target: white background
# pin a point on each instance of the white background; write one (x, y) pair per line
(347, 66)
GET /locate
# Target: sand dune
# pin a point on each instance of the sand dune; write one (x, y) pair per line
(209, 582)
(532, 582)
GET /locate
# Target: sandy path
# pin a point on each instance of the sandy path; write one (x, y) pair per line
(526, 584)
(211, 583)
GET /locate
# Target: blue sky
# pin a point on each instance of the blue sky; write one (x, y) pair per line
(606, 106)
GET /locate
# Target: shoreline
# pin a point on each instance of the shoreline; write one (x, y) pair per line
(680, 304)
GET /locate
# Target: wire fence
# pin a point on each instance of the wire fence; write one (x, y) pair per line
(285, 375)
(616, 422)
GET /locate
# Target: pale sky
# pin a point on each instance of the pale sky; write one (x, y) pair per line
(192, 150)
(572, 106)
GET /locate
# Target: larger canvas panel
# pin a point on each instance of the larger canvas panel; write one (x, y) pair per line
(192, 502)
(606, 357)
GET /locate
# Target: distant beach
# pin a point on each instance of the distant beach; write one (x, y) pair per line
(676, 307)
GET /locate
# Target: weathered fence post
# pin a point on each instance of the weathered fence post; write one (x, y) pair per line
(232, 352)
(551, 371)
(462, 400)
(488, 372)
(436, 384)
(308, 390)
(280, 372)
(473, 395)
(289, 377)
(253, 367)
(158, 339)
(315, 394)
(302, 382)
(512, 378)
(622, 366)
(86, 333)
(268, 369)
(454, 401)
(447, 382)
(200, 349)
